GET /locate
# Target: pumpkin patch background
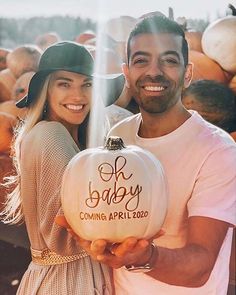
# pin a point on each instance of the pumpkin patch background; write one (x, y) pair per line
(212, 44)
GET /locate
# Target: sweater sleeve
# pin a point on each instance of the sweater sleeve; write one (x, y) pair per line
(55, 152)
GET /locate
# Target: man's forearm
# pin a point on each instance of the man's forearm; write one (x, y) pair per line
(189, 266)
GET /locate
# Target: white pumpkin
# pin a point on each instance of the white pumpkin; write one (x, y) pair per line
(219, 42)
(114, 192)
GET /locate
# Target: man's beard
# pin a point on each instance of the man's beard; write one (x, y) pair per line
(154, 105)
(157, 104)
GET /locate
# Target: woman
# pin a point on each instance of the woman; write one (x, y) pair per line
(54, 130)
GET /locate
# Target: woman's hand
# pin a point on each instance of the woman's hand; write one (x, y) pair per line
(92, 249)
(130, 251)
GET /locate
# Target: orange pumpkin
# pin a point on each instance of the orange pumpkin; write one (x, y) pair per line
(21, 86)
(3, 58)
(45, 40)
(24, 59)
(194, 40)
(7, 123)
(228, 75)
(7, 81)
(206, 68)
(84, 37)
(119, 28)
(233, 134)
(219, 42)
(232, 84)
(4, 93)
(10, 108)
(111, 60)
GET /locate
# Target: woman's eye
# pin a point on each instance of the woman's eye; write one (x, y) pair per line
(89, 84)
(64, 84)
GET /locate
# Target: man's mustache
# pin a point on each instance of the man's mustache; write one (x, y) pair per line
(156, 79)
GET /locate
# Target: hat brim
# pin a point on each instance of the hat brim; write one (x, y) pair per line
(111, 86)
(22, 103)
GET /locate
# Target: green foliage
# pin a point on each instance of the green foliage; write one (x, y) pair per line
(15, 32)
(197, 24)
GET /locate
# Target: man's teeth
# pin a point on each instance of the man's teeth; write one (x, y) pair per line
(74, 107)
(154, 88)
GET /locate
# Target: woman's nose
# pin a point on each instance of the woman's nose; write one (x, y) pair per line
(77, 93)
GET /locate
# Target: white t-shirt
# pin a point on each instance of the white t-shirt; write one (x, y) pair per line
(199, 160)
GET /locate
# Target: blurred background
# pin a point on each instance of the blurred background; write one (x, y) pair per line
(22, 21)
(28, 27)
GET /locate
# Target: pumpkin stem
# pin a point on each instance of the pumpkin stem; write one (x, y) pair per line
(114, 143)
(233, 9)
(171, 13)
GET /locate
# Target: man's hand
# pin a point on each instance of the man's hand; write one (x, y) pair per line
(130, 251)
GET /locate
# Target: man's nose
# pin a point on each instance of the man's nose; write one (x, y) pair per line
(155, 69)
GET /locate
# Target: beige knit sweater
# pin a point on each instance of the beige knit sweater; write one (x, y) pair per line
(45, 152)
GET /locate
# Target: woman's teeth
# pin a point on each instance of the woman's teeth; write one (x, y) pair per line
(74, 107)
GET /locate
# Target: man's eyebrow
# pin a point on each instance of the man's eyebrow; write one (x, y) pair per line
(171, 52)
(144, 53)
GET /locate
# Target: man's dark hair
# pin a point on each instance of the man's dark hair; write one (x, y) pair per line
(156, 23)
(216, 98)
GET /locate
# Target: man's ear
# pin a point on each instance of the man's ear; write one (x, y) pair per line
(188, 75)
(125, 71)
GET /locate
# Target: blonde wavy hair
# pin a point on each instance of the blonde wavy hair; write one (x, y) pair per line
(13, 211)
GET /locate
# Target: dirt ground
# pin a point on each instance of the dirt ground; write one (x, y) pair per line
(13, 263)
(15, 260)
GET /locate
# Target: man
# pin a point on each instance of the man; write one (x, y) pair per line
(216, 103)
(192, 256)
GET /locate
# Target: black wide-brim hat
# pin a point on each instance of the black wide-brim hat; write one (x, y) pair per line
(72, 57)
